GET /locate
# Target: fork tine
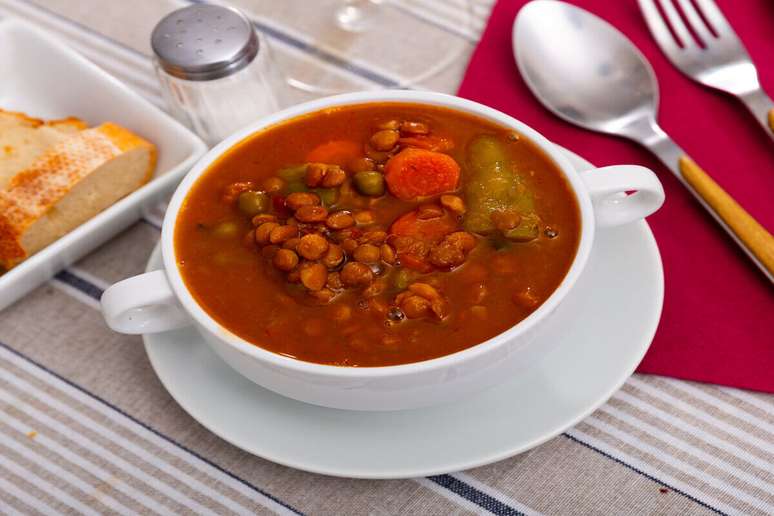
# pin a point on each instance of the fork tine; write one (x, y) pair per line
(695, 21)
(658, 26)
(677, 24)
(715, 18)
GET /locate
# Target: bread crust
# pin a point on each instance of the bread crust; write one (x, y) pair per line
(31, 193)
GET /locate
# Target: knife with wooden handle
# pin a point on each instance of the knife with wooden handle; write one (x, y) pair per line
(754, 239)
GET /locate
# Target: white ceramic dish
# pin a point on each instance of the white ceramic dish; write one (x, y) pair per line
(44, 78)
(161, 301)
(603, 329)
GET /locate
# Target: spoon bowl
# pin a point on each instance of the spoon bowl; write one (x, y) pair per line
(587, 72)
(583, 69)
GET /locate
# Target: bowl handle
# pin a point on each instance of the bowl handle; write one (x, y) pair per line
(143, 304)
(608, 188)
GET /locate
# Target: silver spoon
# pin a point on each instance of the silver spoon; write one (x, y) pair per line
(588, 73)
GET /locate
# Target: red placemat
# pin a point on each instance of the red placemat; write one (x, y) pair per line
(718, 320)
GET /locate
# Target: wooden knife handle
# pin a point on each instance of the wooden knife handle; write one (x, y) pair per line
(771, 119)
(750, 233)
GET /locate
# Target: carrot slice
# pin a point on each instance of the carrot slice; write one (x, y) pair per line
(416, 173)
(427, 230)
(335, 152)
(414, 263)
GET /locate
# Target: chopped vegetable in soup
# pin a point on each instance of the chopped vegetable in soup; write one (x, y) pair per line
(376, 235)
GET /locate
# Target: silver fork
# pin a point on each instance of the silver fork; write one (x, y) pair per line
(723, 63)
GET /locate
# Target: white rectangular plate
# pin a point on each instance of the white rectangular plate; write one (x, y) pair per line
(45, 78)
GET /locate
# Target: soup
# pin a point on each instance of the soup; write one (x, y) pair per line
(377, 234)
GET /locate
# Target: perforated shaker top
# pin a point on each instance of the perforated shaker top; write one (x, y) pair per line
(204, 42)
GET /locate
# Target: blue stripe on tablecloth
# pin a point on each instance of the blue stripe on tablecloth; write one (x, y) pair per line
(642, 473)
(472, 494)
(88, 288)
(452, 484)
(146, 426)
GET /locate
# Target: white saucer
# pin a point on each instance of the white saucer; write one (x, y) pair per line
(604, 327)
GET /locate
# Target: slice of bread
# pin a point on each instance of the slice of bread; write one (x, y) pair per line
(67, 185)
(23, 139)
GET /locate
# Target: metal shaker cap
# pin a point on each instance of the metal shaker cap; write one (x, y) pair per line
(204, 42)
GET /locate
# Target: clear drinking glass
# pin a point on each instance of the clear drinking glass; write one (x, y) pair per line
(406, 42)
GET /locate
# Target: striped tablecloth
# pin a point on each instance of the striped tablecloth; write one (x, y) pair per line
(85, 426)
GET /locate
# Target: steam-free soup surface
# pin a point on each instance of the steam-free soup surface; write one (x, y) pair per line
(377, 235)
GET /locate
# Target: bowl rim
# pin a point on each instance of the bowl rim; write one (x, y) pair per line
(204, 321)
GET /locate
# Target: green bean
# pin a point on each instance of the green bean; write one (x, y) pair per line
(252, 203)
(369, 183)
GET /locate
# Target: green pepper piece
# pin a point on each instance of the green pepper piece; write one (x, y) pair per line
(493, 185)
(485, 152)
(527, 230)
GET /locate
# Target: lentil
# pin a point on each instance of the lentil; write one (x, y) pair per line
(333, 257)
(355, 274)
(282, 234)
(414, 128)
(361, 165)
(363, 218)
(367, 253)
(297, 200)
(273, 184)
(312, 246)
(311, 214)
(389, 124)
(429, 211)
(324, 295)
(415, 307)
(285, 260)
(291, 243)
(313, 276)
(349, 245)
(263, 217)
(314, 174)
(384, 140)
(340, 220)
(263, 231)
(388, 254)
(334, 176)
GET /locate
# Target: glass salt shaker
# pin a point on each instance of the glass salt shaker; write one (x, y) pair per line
(217, 74)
